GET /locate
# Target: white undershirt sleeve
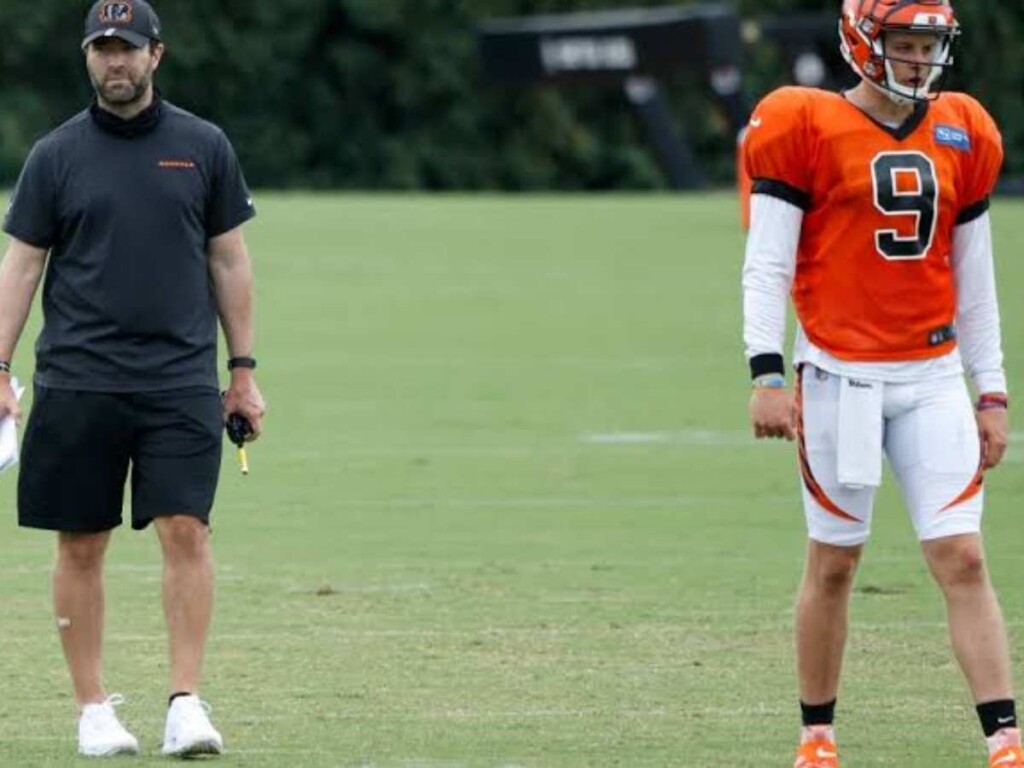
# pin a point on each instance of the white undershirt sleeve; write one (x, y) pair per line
(768, 270)
(980, 338)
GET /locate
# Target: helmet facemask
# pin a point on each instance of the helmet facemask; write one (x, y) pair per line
(908, 94)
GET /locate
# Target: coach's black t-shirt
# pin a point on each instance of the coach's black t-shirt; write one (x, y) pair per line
(126, 209)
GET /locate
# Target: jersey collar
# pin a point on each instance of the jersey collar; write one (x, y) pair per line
(902, 131)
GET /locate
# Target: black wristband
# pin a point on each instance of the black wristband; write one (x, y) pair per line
(5, 366)
(241, 362)
(770, 363)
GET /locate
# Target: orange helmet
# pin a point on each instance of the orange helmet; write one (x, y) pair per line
(862, 29)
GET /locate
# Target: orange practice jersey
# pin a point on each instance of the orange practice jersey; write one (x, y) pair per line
(874, 281)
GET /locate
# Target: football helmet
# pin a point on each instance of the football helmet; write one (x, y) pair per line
(862, 30)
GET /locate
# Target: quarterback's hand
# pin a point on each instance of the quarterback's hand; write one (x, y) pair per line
(8, 402)
(243, 397)
(773, 413)
(994, 433)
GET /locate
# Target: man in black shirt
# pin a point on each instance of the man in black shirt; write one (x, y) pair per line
(133, 209)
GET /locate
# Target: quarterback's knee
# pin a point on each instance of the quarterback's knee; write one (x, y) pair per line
(830, 570)
(959, 563)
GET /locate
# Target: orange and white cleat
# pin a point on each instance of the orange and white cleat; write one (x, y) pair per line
(1005, 749)
(1007, 757)
(818, 752)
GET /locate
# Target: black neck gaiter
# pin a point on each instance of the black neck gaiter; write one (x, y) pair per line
(140, 125)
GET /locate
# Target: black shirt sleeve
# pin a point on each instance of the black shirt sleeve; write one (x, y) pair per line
(230, 203)
(32, 214)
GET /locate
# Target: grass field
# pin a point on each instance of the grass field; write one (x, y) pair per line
(507, 513)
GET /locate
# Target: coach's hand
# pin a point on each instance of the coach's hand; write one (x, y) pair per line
(994, 432)
(773, 413)
(243, 397)
(8, 401)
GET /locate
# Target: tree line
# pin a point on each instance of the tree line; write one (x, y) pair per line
(390, 94)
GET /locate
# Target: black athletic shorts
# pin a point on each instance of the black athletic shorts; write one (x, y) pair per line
(79, 447)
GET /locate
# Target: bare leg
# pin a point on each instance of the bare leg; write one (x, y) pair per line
(822, 617)
(188, 596)
(78, 604)
(975, 619)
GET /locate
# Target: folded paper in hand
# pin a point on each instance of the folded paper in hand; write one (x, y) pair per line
(9, 434)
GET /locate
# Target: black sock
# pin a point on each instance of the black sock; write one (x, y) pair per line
(176, 695)
(818, 714)
(996, 715)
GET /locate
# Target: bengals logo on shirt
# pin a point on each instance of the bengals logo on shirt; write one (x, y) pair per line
(873, 275)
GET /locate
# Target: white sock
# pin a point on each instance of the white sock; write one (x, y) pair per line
(818, 733)
(1003, 738)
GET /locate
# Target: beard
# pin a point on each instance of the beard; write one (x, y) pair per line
(122, 91)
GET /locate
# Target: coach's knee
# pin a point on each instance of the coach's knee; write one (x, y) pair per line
(183, 538)
(81, 552)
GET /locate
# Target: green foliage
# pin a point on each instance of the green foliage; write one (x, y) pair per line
(390, 93)
(991, 66)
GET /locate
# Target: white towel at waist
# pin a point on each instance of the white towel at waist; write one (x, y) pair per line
(859, 448)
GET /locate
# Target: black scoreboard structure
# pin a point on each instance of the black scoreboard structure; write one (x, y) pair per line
(636, 50)
(631, 50)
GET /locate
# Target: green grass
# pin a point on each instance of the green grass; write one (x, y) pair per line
(434, 563)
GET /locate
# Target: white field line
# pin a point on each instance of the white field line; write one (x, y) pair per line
(699, 438)
(702, 438)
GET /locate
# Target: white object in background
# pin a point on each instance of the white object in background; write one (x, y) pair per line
(9, 434)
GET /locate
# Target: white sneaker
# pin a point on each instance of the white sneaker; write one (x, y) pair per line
(100, 733)
(189, 730)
